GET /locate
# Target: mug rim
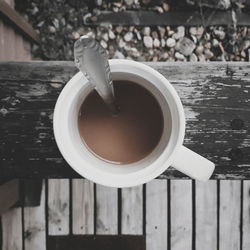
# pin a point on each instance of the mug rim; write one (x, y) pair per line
(129, 181)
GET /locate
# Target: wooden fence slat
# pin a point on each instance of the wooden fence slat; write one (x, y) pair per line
(206, 215)
(34, 225)
(246, 216)
(1, 40)
(26, 50)
(9, 44)
(83, 206)
(58, 206)
(230, 193)
(106, 210)
(181, 215)
(19, 50)
(132, 210)
(12, 229)
(156, 215)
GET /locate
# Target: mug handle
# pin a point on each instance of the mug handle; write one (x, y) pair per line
(193, 164)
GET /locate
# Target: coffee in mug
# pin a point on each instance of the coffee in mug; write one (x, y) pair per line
(128, 136)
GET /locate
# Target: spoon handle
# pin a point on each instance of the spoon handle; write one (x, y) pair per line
(91, 59)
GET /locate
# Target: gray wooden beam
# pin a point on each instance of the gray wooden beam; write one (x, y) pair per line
(215, 98)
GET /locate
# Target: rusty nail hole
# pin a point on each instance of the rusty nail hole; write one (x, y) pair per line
(237, 124)
(235, 154)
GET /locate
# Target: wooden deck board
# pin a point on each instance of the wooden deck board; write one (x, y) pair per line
(106, 210)
(58, 207)
(230, 195)
(132, 211)
(157, 215)
(181, 215)
(12, 229)
(83, 206)
(206, 215)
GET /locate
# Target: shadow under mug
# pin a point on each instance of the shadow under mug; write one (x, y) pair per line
(168, 152)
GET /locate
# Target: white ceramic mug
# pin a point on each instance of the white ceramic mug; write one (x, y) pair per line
(169, 150)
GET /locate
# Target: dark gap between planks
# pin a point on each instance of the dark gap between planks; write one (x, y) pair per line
(241, 214)
(218, 215)
(97, 242)
(193, 215)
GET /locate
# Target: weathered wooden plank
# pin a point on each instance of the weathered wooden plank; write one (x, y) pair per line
(58, 207)
(175, 18)
(181, 215)
(246, 216)
(230, 193)
(215, 98)
(206, 215)
(156, 215)
(34, 225)
(132, 210)
(12, 230)
(106, 210)
(82, 206)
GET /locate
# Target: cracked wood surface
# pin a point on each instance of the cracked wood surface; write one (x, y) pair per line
(216, 99)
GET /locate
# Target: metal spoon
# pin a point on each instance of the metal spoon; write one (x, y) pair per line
(91, 60)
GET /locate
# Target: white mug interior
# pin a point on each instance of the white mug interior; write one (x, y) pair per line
(90, 166)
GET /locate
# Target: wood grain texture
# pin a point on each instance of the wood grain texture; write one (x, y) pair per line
(34, 226)
(246, 216)
(156, 215)
(215, 98)
(106, 210)
(230, 193)
(12, 230)
(181, 215)
(206, 215)
(82, 206)
(58, 207)
(132, 210)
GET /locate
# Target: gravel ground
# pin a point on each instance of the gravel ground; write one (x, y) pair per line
(59, 23)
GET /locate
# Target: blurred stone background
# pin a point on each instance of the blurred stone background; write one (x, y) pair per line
(60, 22)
